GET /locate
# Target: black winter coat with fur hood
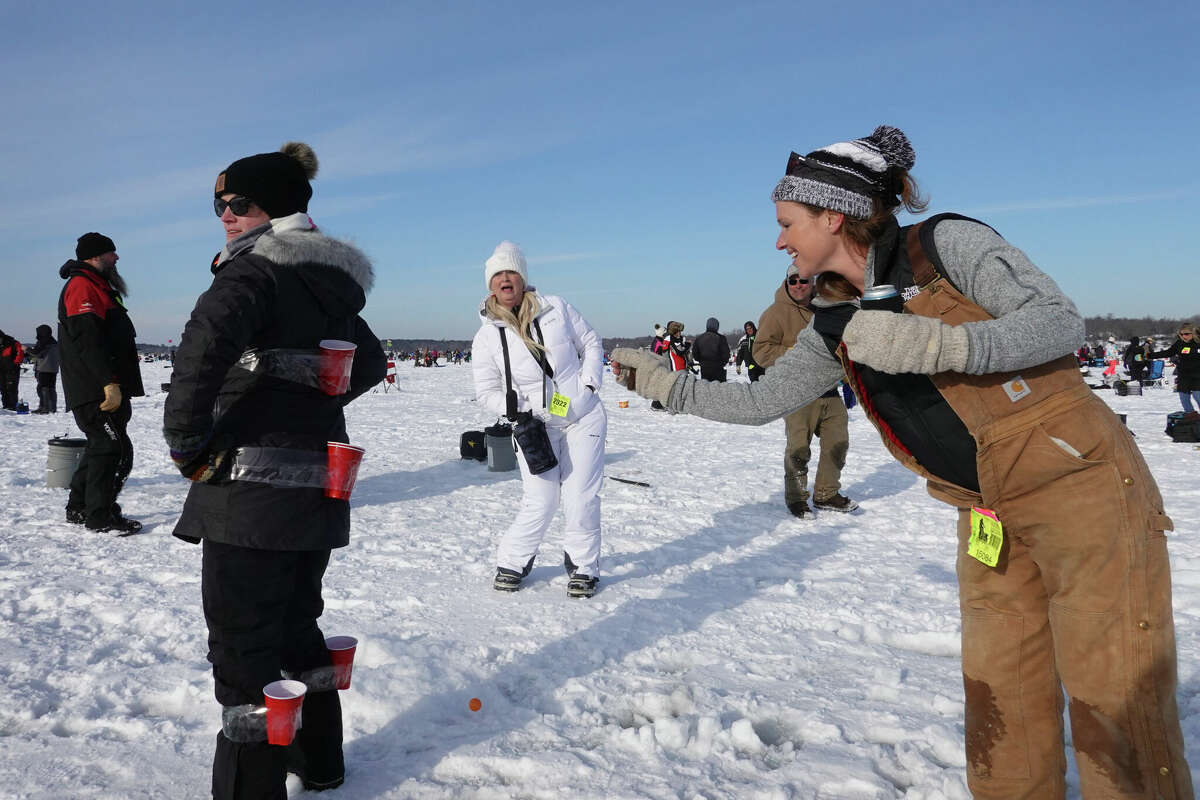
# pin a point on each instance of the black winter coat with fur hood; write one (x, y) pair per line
(286, 286)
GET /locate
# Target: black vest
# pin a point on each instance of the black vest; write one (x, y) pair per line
(910, 404)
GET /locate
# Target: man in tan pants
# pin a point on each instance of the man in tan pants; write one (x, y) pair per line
(826, 417)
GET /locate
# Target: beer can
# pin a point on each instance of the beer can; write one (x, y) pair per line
(883, 297)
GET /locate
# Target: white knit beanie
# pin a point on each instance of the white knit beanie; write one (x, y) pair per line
(506, 256)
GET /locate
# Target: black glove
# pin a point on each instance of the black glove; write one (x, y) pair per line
(200, 458)
(831, 321)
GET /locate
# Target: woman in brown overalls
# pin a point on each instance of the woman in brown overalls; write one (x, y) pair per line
(969, 377)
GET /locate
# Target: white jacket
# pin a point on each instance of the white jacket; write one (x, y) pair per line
(573, 349)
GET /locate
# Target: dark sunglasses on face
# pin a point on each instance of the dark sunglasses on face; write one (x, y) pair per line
(796, 279)
(1185, 333)
(239, 205)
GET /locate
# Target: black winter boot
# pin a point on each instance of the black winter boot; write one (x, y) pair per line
(315, 755)
(508, 580)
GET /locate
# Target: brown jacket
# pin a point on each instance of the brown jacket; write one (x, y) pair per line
(779, 326)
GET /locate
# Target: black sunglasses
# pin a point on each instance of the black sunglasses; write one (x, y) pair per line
(796, 279)
(795, 163)
(238, 205)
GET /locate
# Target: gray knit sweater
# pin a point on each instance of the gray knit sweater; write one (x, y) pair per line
(1034, 323)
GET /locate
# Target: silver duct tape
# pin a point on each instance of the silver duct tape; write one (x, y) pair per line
(281, 467)
(297, 366)
(246, 723)
(318, 679)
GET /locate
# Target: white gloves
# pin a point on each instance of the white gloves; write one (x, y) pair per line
(897, 343)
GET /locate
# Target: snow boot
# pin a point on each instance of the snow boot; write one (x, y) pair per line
(76, 516)
(578, 584)
(508, 580)
(839, 502)
(799, 509)
(114, 522)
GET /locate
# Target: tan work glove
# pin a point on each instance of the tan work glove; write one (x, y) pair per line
(112, 397)
(739, 369)
(644, 373)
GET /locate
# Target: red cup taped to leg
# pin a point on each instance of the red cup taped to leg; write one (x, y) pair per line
(284, 700)
(341, 651)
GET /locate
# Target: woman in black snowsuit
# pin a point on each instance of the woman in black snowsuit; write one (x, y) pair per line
(239, 393)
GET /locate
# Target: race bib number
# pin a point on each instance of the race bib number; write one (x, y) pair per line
(1185, 350)
(987, 537)
(560, 404)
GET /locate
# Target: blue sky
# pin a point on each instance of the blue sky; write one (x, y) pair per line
(629, 148)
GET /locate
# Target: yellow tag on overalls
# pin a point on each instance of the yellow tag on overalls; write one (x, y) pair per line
(559, 405)
(987, 536)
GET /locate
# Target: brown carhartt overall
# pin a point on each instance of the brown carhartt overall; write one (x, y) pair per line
(1081, 594)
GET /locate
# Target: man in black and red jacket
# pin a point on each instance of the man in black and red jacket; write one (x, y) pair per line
(11, 356)
(100, 372)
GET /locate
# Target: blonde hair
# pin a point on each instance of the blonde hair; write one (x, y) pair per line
(521, 321)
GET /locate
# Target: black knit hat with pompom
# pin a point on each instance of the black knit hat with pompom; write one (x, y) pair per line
(847, 176)
(276, 182)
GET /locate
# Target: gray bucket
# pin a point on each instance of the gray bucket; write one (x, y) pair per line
(63, 460)
(501, 457)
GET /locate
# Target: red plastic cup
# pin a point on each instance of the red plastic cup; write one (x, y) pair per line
(342, 469)
(341, 650)
(337, 359)
(284, 700)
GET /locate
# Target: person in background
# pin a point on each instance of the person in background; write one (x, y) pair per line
(711, 351)
(279, 286)
(12, 353)
(1135, 359)
(1186, 352)
(1112, 357)
(970, 377)
(536, 356)
(825, 417)
(659, 345)
(101, 371)
(679, 350)
(745, 353)
(45, 355)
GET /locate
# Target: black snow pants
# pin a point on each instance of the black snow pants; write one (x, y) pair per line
(9, 381)
(261, 607)
(106, 461)
(47, 391)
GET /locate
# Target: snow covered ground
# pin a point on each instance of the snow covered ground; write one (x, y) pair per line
(732, 651)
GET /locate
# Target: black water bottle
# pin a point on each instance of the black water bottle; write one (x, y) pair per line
(883, 297)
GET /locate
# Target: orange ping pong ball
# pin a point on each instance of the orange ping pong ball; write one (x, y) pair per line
(475, 704)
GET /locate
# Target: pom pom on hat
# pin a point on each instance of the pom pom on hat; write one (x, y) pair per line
(93, 244)
(506, 257)
(276, 182)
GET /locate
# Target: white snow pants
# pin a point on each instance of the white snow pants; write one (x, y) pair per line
(579, 448)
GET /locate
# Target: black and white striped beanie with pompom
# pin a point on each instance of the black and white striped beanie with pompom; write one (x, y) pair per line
(847, 176)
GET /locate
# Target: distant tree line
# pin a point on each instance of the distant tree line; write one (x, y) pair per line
(1125, 328)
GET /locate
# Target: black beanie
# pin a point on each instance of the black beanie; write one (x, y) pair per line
(276, 182)
(93, 244)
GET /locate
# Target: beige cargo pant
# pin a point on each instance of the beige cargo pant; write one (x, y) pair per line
(826, 418)
(1081, 601)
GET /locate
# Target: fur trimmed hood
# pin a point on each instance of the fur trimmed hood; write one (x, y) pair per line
(294, 240)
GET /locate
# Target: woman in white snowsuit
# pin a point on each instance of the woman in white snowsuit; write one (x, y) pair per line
(556, 363)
